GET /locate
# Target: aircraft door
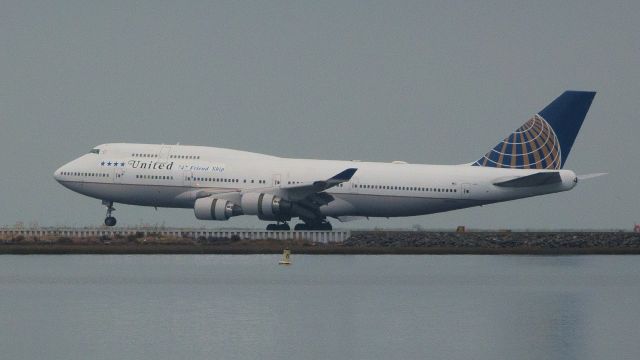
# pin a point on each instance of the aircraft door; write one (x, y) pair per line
(276, 179)
(164, 153)
(187, 178)
(118, 175)
(355, 184)
(465, 191)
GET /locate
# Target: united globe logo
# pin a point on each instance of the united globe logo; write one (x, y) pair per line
(534, 145)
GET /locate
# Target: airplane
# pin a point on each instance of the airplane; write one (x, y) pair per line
(219, 183)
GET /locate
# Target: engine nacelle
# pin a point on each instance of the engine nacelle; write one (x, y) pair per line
(215, 209)
(266, 206)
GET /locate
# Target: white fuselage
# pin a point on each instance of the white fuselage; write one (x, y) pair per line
(175, 175)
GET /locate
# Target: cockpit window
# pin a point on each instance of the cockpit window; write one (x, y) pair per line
(94, 151)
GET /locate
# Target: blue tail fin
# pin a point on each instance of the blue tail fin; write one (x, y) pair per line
(543, 142)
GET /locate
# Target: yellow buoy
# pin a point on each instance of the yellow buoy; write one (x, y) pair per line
(286, 257)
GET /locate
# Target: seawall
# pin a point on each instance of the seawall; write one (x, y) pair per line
(242, 241)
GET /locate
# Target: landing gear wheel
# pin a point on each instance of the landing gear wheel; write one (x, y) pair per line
(278, 227)
(110, 221)
(325, 226)
(322, 226)
(285, 227)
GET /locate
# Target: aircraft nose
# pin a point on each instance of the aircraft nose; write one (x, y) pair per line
(58, 173)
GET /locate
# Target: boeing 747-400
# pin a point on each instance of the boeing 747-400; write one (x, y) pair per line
(219, 184)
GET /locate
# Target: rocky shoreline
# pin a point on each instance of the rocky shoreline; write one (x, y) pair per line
(360, 242)
(498, 240)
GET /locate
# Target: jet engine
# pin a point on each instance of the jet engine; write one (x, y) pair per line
(266, 206)
(215, 209)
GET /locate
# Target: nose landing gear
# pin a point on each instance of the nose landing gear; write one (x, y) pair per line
(109, 220)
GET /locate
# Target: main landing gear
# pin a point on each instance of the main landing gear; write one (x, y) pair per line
(278, 226)
(109, 220)
(322, 225)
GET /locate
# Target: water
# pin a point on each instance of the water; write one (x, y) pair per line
(322, 307)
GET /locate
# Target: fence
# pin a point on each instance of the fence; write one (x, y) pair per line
(334, 236)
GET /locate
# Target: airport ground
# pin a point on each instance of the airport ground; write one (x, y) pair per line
(355, 242)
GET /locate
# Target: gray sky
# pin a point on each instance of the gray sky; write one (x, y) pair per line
(425, 82)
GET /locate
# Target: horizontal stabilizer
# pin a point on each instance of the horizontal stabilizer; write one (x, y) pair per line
(537, 179)
(590, 176)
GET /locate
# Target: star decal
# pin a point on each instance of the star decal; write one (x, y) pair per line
(122, 164)
(109, 163)
(102, 163)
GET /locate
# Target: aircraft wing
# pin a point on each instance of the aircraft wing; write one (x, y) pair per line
(306, 198)
(537, 179)
(298, 192)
